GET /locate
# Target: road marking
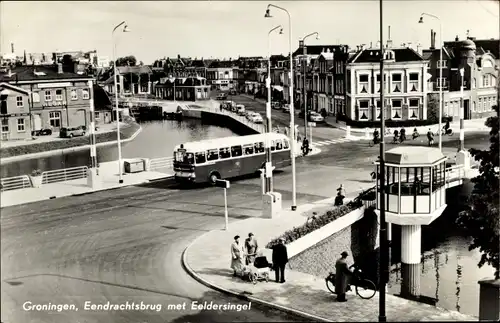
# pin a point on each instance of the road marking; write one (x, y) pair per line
(331, 142)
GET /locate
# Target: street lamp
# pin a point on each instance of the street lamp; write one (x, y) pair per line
(421, 21)
(269, 171)
(125, 29)
(462, 144)
(292, 111)
(304, 71)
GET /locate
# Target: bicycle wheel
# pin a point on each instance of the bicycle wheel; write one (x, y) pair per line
(330, 285)
(371, 143)
(365, 289)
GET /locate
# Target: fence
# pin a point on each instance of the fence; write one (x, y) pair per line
(161, 163)
(14, 183)
(65, 174)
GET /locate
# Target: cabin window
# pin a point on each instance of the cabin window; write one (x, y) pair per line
(259, 147)
(285, 144)
(279, 144)
(224, 153)
(248, 149)
(189, 158)
(236, 151)
(200, 157)
(212, 154)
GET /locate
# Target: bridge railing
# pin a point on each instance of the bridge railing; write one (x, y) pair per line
(14, 183)
(162, 163)
(65, 174)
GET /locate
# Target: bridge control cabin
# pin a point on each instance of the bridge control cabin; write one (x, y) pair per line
(415, 180)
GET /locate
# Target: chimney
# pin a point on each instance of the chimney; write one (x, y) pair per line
(419, 49)
(371, 43)
(456, 38)
(12, 47)
(59, 68)
(433, 39)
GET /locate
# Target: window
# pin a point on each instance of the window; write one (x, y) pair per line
(363, 109)
(97, 115)
(474, 106)
(377, 78)
(474, 83)
(212, 154)
(441, 64)
(396, 109)
(445, 109)
(486, 80)
(259, 147)
(35, 96)
(55, 119)
(20, 125)
(484, 105)
(441, 81)
(5, 125)
(236, 151)
(397, 85)
(200, 157)
(3, 107)
(413, 86)
(85, 94)
(413, 106)
(48, 95)
(479, 105)
(224, 153)
(59, 95)
(19, 102)
(74, 95)
(377, 110)
(363, 83)
(248, 149)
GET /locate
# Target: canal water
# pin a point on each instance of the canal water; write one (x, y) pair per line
(157, 139)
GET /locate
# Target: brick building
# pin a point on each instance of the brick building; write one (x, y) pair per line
(14, 112)
(183, 88)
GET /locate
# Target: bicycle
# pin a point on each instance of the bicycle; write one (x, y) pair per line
(373, 142)
(395, 140)
(448, 132)
(364, 288)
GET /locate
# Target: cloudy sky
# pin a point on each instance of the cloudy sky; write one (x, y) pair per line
(230, 28)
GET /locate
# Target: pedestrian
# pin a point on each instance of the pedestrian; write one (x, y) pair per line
(236, 256)
(342, 274)
(339, 199)
(280, 259)
(220, 107)
(251, 246)
(341, 190)
(286, 131)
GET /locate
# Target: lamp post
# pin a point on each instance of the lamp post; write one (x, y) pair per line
(269, 171)
(292, 111)
(384, 245)
(421, 21)
(304, 71)
(125, 29)
(462, 136)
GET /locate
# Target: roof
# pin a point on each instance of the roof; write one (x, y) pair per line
(373, 55)
(39, 73)
(222, 64)
(318, 49)
(203, 145)
(428, 53)
(134, 69)
(13, 88)
(491, 45)
(327, 56)
(414, 155)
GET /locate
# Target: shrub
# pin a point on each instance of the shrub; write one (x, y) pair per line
(322, 220)
(36, 172)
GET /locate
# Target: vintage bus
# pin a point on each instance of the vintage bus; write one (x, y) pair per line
(208, 160)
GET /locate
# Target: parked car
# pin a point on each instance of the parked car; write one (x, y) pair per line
(222, 96)
(276, 105)
(285, 108)
(42, 132)
(71, 132)
(240, 109)
(316, 117)
(233, 92)
(248, 114)
(256, 118)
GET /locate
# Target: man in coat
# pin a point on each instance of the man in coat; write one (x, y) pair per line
(342, 274)
(280, 259)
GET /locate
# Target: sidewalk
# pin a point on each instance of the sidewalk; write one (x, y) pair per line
(207, 259)
(108, 179)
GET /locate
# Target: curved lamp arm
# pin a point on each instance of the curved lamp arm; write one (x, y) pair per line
(117, 26)
(314, 33)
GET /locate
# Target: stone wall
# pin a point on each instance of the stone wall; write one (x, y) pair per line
(358, 239)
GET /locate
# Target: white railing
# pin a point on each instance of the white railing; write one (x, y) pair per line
(451, 174)
(65, 174)
(156, 164)
(15, 183)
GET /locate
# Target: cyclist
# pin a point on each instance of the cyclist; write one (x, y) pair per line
(415, 133)
(305, 147)
(376, 136)
(446, 127)
(396, 135)
(430, 137)
(402, 135)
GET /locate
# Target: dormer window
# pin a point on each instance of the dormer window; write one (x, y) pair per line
(389, 55)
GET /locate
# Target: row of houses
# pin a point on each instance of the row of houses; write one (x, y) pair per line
(45, 96)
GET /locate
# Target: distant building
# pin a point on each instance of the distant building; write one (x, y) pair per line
(191, 88)
(220, 75)
(131, 80)
(14, 112)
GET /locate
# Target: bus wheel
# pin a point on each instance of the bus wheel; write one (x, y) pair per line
(214, 176)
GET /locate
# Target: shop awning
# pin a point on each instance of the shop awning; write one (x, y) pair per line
(278, 88)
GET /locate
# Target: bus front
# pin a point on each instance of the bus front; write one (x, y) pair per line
(184, 165)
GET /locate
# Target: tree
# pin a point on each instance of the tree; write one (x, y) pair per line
(481, 218)
(433, 108)
(126, 61)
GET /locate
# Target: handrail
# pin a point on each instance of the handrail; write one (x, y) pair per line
(64, 174)
(15, 182)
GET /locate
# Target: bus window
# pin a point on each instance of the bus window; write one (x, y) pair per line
(189, 158)
(273, 145)
(236, 151)
(279, 144)
(285, 144)
(212, 154)
(224, 153)
(200, 157)
(259, 147)
(248, 149)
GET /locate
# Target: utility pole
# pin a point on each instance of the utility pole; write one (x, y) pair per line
(383, 248)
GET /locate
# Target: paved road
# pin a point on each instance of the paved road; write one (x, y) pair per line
(125, 245)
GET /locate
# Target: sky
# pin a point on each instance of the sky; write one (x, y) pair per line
(228, 29)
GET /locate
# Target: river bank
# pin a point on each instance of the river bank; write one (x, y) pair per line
(48, 148)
